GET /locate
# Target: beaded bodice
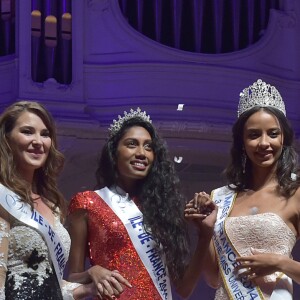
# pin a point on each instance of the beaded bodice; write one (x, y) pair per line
(28, 272)
(266, 233)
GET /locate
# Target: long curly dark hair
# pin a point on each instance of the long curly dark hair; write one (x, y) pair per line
(286, 164)
(161, 202)
(45, 178)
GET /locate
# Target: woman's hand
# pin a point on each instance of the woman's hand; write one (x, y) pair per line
(258, 265)
(109, 284)
(203, 212)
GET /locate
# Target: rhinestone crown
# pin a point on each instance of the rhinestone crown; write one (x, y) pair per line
(260, 94)
(117, 124)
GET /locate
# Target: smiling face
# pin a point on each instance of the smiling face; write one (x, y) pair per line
(30, 142)
(134, 156)
(263, 139)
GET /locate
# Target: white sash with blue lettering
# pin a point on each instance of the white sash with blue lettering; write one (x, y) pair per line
(238, 288)
(21, 211)
(132, 218)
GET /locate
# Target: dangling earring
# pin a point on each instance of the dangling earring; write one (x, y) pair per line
(293, 176)
(244, 161)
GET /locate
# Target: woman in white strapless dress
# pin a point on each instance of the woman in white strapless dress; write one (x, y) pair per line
(258, 221)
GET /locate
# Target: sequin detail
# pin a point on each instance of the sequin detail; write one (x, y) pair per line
(30, 273)
(112, 248)
(267, 233)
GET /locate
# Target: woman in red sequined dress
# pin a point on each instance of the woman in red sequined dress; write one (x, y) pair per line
(133, 229)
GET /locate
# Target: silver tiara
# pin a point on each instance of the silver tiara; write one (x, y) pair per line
(117, 124)
(260, 94)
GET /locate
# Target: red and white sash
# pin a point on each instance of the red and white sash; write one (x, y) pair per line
(132, 218)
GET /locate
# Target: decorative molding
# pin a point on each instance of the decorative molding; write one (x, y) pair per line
(192, 127)
(52, 86)
(285, 19)
(91, 129)
(50, 89)
(98, 4)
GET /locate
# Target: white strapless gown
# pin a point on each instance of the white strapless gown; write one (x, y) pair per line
(267, 233)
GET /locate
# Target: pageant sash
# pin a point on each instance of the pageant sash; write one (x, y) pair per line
(283, 289)
(132, 218)
(239, 289)
(22, 211)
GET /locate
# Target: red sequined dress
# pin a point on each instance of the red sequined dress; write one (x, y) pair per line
(110, 246)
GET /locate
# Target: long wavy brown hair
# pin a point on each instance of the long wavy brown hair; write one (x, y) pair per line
(45, 178)
(287, 162)
(161, 200)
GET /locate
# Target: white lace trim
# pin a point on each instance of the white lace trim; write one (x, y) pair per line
(68, 288)
(2, 294)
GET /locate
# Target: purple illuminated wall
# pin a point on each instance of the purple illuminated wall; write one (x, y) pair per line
(114, 68)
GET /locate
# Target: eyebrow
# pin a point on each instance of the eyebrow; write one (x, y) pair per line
(136, 139)
(32, 127)
(259, 129)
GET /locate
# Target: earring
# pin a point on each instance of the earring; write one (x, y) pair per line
(293, 176)
(244, 161)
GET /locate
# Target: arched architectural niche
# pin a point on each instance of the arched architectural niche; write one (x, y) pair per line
(116, 68)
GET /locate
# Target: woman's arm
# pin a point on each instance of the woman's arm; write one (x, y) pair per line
(291, 268)
(211, 269)
(262, 264)
(201, 263)
(77, 227)
(203, 213)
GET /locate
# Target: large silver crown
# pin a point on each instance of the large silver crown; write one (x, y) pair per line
(117, 124)
(260, 94)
